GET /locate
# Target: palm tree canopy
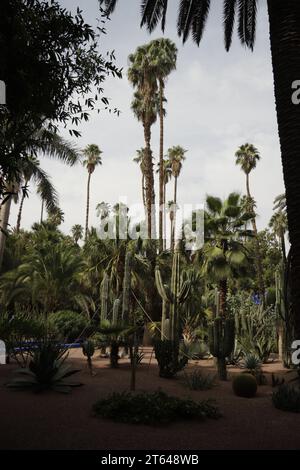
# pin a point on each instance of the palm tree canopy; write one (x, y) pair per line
(77, 232)
(163, 57)
(279, 223)
(176, 155)
(247, 157)
(92, 155)
(193, 15)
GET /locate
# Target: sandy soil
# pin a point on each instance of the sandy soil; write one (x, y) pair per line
(56, 421)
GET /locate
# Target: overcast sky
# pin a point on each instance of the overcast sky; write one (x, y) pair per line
(216, 102)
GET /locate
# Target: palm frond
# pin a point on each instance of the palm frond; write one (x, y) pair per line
(152, 12)
(229, 20)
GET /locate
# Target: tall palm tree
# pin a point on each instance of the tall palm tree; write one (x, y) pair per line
(284, 19)
(224, 253)
(278, 223)
(77, 232)
(176, 155)
(141, 74)
(92, 159)
(30, 169)
(247, 157)
(163, 55)
(139, 159)
(167, 174)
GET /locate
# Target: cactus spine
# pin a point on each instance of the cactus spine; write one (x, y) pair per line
(104, 296)
(221, 342)
(126, 287)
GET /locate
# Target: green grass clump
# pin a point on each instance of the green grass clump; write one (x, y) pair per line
(156, 408)
(196, 380)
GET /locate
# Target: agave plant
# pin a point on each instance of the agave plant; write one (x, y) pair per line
(46, 370)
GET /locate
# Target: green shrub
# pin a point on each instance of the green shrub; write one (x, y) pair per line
(152, 408)
(46, 370)
(197, 350)
(68, 324)
(196, 380)
(244, 385)
(168, 358)
(287, 398)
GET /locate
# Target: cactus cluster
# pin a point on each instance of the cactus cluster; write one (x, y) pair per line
(221, 342)
(172, 298)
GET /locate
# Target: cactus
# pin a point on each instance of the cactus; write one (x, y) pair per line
(126, 287)
(173, 296)
(221, 342)
(104, 296)
(115, 313)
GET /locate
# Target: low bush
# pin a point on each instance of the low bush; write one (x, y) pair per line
(244, 385)
(287, 398)
(68, 324)
(155, 408)
(196, 380)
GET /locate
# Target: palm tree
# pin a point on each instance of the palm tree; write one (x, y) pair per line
(139, 159)
(50, 145)
(175, 157)
(278, 223)
(141, 74)
(92, 155)
(77, 232)
(284, 19)
(167, 174)
(163, 56)
(247, 157)
(30, 169)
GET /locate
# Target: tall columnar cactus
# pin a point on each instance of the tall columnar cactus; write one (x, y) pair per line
(104, 296)
(173, 296)
(283, 313)
(216, 313)
(126, 287)
(115, 313)
(221, 342)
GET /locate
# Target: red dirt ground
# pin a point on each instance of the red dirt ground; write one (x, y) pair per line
(57, 421)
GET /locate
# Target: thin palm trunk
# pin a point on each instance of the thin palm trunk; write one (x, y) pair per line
(42, 211)
(175, 210)
(161, 164)
(284, 20)
(149, 179)
(5, 211)
(87, 205)
(20, 213)
(165, 219)
(143, 190)
(259, 269)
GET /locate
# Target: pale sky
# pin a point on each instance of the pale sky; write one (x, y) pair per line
(217, 101)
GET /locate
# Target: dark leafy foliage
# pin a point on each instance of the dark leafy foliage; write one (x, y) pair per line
(155, 408)
(287, 398)
(46, 371)
(167, 356)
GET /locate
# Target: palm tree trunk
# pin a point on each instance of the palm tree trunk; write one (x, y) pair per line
(161, 164)
(258, 264)
(42, 211)
(20, 213)
(143, 191)
(223, 298)
(284, 20)
(175, 210)
(165, 219)
(149, 179)
(87, 206)
(5, 211)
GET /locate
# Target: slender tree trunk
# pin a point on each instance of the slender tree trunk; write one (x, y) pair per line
(20, 213)
(143, 191)
(284, 20)
(282, 242)
(149, 179)
(165, 219)
(42, 211)
(5, 211)
(175, 210)
(161, 164)
(259, 268)
(87, 206)
(223, 298)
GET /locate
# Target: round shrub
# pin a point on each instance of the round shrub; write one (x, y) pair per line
(244, 385)
(68, 324)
